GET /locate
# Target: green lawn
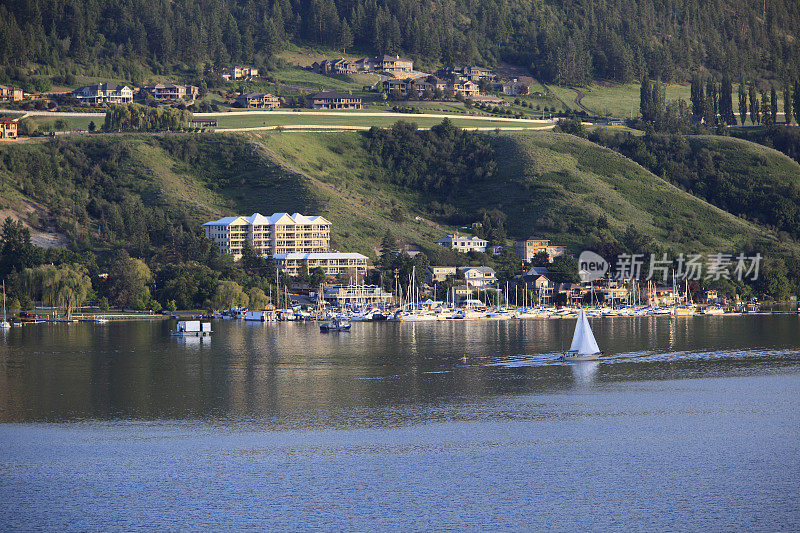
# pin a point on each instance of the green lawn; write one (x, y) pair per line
(72, 122)
(306, 78)
(359, 120)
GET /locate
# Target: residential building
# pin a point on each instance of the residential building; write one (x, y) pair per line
(511, 88)
(171, 91)
(466, 88)
(539, 284)
(10, 94)
(528, 248)
(479, 276)
(392, 64)
(333, 263)
(471, 73)
(8, 128)
(462, 244)
(423, 83)
(340, 295)
(238, 73)
(334, 100)
(104, 93)
(434, 274)
(335, 66)
(664, 295)
(279, 233)
(258, 101)
(573, 292)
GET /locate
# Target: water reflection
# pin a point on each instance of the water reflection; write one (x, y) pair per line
(584, 371)
(288, 372)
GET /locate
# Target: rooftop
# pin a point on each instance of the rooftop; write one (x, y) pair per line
(275, 218)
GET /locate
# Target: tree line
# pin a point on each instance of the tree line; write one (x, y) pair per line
(568, 43)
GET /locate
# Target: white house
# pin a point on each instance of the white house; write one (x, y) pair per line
(104, 93)
(462, 244)
(479, 276)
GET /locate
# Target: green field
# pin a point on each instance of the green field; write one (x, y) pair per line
(72, 122)
(360, 120)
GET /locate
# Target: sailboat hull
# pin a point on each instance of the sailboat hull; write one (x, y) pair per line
(572, 356)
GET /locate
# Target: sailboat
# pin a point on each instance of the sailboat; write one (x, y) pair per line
(5, 323)
(584, 346)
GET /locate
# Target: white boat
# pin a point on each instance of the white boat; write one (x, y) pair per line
(337, 323)
(584, 346)
(192, 328)
(713, 310)
(5, 324)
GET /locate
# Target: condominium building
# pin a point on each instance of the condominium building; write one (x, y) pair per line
(528, 248)
(280, 233)
(333, 263)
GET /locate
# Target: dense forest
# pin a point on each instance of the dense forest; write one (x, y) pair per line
(561, 41)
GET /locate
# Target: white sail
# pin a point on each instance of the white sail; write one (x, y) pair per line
(583, 341)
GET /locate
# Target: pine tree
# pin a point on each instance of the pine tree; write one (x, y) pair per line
(787, 103)
(711, 103)
(345, 37)
(742, 102)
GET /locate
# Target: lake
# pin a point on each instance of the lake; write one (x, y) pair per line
(688, 424)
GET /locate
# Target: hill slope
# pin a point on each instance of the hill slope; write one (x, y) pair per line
(139, 191)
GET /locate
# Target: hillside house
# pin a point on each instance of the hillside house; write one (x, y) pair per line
(238, 73)
(334, 100)
(479, 276)
(104, 93)
(171, 92)
(435, 274)
(467, 73)
(8, 128)
(511, 88)
(10, 94)
(335, 66)
(462, 244)
(257, 101)
(392, 64)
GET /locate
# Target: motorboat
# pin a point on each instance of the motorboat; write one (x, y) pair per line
(338, 323)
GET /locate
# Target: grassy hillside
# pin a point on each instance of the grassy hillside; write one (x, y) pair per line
(565, 188)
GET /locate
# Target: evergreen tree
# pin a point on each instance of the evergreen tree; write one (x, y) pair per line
(345, 37)
(711, 103)
(658, 101)
(787, 103)
(742, 102)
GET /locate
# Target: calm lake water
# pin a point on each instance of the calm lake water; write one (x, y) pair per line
(689, 424)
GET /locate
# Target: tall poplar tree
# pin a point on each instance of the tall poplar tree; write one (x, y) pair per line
(766, 114)
(646, 99)
(796, 100)
(787, 102)
(742, 102)
(755, 110)
(698, 96)
(726, 100)
(773, 104)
